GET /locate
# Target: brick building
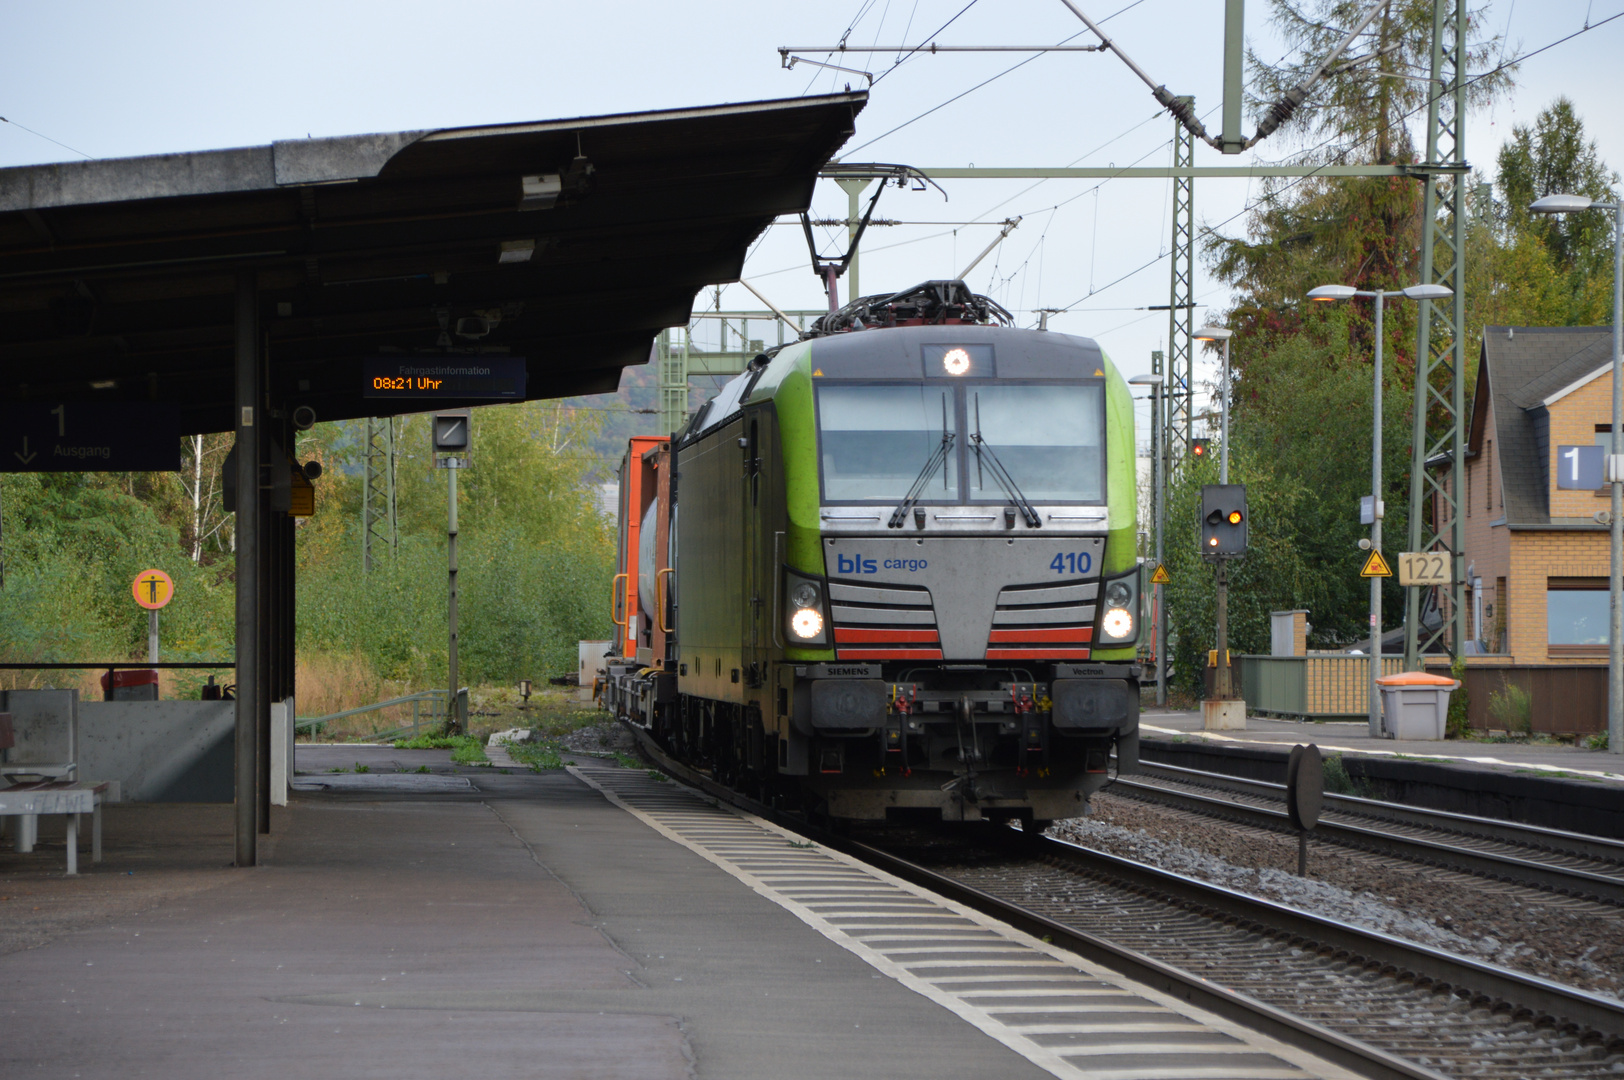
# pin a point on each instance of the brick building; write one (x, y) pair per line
(1537, 559)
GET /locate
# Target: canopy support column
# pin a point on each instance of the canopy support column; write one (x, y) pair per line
(247, 418)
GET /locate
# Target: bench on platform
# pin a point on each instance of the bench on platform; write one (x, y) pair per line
(27, 802)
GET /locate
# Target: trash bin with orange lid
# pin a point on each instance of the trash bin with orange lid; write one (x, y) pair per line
(1415, 704)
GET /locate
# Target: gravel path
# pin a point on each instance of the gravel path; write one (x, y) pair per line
(1576, 942)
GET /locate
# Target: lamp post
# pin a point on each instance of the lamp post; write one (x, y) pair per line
(1223, 334)
(1566, 204)
(1381, 296)
(1158, 494)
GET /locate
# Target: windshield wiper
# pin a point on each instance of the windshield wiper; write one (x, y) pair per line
(900, 514)
(984, 450)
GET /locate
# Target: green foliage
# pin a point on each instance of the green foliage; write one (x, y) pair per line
(1362, 110)
(1513, 707)
(1337, 780)
(1456, 724)
(534, 556)
(73, 544)
(1597, 741)
(465, 749)
(468, 751)
(431, 742)
(1277, 573)
(537, 756)
(1553, 158)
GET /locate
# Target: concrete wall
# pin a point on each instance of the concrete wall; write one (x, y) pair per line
(160, 751)
(156, 751)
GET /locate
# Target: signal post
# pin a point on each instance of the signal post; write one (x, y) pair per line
(1223, 537)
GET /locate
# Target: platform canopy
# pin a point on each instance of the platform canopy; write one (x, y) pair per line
(569, 243)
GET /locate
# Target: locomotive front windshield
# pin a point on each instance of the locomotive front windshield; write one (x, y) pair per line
(877, 439)
(874, 439)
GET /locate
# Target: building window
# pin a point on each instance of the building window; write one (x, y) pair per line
(1576, 616)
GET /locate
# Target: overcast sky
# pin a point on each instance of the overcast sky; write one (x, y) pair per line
(118, 79)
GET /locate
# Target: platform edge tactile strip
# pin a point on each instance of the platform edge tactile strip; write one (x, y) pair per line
(724, 828)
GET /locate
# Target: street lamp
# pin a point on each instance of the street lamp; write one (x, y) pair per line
(1158, 485)
(1567, 204)
(1219, 333)
(1381, 296)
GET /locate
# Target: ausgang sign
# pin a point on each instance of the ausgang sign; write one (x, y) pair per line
(89, 436)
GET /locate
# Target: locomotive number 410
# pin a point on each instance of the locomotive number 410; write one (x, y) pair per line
(1072, 562)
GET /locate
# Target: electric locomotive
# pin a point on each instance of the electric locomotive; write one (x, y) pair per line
(890, 570)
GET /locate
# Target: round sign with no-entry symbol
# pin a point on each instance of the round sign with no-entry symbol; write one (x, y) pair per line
(153, 589)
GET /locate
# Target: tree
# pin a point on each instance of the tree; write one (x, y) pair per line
(1553, 158)
(1364, 108)
(1303, 371)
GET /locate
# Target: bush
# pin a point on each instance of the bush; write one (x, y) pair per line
(1456, 724)
(1513, 707)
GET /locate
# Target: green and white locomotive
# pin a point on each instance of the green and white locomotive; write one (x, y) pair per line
(890, 570)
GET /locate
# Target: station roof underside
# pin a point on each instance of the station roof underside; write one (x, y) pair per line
(123, 272)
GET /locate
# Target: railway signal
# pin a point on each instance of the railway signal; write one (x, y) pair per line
(1200, 448)
(1223, 521)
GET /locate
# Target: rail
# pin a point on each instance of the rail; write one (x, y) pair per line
(1601, 882)
(1360, 1057)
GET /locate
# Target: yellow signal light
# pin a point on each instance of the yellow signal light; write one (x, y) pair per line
(1234, 517)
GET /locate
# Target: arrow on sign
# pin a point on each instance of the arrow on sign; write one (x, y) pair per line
(1376, 566)
(25, 456)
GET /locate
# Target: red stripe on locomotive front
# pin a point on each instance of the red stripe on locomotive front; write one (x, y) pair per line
(875, 634)
(890, 654)
(1067, 634)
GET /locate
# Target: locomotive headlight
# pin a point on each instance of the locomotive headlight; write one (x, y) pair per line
(807, 623)
(1118, 623)
(956, 361)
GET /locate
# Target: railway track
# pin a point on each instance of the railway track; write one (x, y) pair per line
(1374, 1004)
(1447, 1015)
(1569, 864)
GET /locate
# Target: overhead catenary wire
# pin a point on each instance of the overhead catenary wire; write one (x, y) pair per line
(1274, 195)
(47, 138)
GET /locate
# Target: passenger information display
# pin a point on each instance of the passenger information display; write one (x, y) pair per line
(494, 378)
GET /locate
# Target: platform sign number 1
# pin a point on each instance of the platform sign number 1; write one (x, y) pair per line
(1579, 468)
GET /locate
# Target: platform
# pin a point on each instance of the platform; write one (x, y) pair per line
(594, 924)
(1354, 737)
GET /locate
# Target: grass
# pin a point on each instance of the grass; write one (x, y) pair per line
(537, 755)
(1337, 780)
(465, 749)
(627, 761)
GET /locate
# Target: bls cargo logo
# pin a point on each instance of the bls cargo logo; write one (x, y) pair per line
(856, 564)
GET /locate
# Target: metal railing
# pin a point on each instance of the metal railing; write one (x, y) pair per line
(435, 719)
